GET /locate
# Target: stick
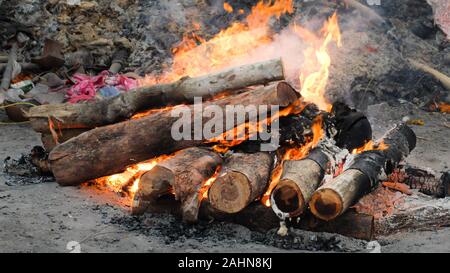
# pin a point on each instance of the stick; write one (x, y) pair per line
(108, 111)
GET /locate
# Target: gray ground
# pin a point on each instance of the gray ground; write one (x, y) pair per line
(44, 217)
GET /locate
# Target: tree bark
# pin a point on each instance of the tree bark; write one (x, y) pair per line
(110, 149)
(335, 197)
(185, 173)
(122, 107)
(243, 178)
(298, 182)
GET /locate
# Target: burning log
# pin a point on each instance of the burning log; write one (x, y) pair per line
(184, 173)
(108, 111)
(110, 149)
(362, 175)
(299, 180)
(243, 178)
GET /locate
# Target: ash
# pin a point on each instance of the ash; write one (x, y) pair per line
(175, 233)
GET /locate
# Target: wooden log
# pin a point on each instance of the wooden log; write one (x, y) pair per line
(111, 110)
(298, 181)
(335, 197)
(110, 149)
(243, 178)
(350, 224)
(8, 73)
(185, 173)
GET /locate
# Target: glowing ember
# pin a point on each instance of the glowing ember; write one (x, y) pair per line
(227, 7)
(444, 107)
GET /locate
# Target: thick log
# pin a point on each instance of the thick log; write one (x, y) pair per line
(110, 149)
(335, 197)
(243, 178)
(185, 173)
(112, 110)
(350, 224)
(298, 181)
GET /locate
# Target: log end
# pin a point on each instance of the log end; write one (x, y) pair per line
(230, 193)
(286, 94)
(326, 204)
(152, 185)
(289, 198)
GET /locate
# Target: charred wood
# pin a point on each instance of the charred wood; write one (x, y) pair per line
(336, 196)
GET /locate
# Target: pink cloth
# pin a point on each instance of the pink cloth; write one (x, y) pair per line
(441, 10)
(86, 86)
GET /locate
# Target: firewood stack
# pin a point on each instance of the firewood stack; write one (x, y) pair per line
(92, 140)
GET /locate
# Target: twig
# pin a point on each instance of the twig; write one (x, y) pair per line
(444, 79)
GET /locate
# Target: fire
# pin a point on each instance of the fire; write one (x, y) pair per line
(371, 146)
(203, 192)
(128, 181)
(227, 7)
(314, 82)
(195, 56)
(444, 107)
(296, 153)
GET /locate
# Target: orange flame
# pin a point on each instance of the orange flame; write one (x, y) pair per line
(203, 192)
(444, 107)
(128, 181)
(294, 154)
(371, 146)
(195, 56)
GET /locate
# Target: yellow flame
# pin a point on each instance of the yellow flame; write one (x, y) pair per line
(314, 82)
